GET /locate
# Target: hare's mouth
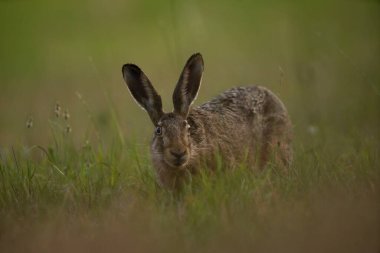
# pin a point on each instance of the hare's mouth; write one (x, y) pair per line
(179, 162)
(176, 163)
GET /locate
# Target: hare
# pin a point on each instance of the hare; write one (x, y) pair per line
(242, 124)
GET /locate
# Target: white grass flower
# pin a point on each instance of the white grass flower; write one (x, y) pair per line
(68, 129)
(66, 114)
(57, 110)
(29, 122)
(312, 130)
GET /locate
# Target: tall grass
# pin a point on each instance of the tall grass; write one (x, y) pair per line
(97, 194)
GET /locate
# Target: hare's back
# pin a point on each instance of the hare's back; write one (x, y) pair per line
(246, 101)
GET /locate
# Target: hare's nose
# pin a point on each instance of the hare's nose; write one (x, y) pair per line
(178, 154)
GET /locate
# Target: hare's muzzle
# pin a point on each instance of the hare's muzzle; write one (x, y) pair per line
(178, 157)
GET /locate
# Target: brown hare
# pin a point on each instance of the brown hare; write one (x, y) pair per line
(242, 124)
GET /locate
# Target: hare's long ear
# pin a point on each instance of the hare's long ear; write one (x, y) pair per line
(143, 91)
(188, 85)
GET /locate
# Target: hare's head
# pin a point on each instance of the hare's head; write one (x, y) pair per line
(171, 142)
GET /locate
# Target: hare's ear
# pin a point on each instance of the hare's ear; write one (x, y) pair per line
(188, 85)
(143, 91)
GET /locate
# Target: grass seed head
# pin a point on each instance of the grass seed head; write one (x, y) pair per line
(68, 129)
(57, 109)
(29, 122)
(66, 114)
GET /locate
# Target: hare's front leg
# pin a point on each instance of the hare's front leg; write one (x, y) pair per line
(173, 180)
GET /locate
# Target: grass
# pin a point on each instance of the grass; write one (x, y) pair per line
(99, 195)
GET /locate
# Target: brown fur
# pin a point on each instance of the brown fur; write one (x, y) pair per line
(243, 124)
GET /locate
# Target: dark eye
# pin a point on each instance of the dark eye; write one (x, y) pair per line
(158, 130)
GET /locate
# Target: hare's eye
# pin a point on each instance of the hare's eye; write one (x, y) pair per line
(158, 130)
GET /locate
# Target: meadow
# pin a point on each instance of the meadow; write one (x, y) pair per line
(75, 172)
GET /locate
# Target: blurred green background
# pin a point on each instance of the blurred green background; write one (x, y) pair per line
(320, 57)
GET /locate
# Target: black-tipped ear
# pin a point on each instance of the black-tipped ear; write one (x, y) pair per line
(143, 91)
(188, 85)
